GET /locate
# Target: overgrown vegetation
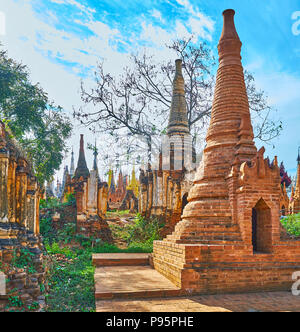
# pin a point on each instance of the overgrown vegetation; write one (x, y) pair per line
(139, 234)
(24, 260)
(120, 213)
(292, 224)
(71, 276)
(53, 202)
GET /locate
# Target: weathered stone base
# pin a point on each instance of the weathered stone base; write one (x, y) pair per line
(212, 269)
(25, 282)
(94, 226)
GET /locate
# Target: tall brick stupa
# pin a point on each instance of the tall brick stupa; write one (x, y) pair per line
(230, 238)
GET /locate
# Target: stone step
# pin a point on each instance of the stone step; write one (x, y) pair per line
(132, 282)
(208, 233)
(121, 259)
(207, 237)
(228, 227)
(207, 241)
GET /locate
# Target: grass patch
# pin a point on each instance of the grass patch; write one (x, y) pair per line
(118, 213)
(71, 281)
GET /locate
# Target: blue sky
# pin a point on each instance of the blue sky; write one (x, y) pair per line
(62, 40)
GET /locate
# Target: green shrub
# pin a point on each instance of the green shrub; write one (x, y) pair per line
(71, 200)
(50, 203)
(55, 248)
(144, 230)
(292, 224)
(24, 259)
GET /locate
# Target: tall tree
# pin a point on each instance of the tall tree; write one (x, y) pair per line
(138, 101)
(40, 126)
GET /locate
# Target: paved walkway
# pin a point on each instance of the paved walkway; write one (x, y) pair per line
(277, 301)
(132, 282)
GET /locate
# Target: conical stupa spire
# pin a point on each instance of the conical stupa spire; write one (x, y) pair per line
(178, 121)
(229, 45)
(112, 186)
(230, 133)
(95, 166)
(298, 159)
(72, 167)
(82, 169)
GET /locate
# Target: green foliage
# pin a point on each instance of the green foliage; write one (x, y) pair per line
(40, 126)
(144, 230)
(123, 213)
(15, 302)
(55, 248)
(50, 203)
(292, 224)
(71, 200)
(71, 283)
(139, 235)
(24, 259)
(104, 247)
(71, 277)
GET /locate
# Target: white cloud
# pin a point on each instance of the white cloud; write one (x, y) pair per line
(157, 14)
(40, 46)
(84, 9)
(200, 24)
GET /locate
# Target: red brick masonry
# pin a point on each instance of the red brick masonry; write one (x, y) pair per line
(229, 238)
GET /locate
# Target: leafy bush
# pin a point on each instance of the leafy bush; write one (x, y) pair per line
(71, 200)
(144, 230)
(24, 259)
(55, 248)
(50, 203)
(292, 224)
(46, 229)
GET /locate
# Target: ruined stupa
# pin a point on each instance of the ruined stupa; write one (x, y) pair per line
(229, 238)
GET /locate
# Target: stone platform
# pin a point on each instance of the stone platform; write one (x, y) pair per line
(124, 276)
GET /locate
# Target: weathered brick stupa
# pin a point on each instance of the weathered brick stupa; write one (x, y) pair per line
(163, 190)
(91, 197)
(229, 238)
